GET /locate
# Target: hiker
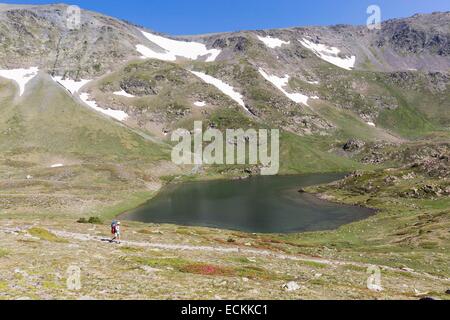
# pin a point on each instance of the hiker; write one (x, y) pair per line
(115, 230)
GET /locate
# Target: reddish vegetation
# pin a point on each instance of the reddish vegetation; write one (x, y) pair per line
(207, 270)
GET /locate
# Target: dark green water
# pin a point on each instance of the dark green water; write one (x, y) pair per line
(261, 205)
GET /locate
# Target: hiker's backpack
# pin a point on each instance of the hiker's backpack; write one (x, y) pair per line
(113, 227)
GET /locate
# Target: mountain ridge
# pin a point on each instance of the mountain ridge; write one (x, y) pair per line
(128, 34)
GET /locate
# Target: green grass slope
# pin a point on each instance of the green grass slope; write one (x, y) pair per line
(104, 163)
(48, 119)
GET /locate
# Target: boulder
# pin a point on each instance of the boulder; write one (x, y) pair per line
(138, 87)
(291, 286)
(354, 145)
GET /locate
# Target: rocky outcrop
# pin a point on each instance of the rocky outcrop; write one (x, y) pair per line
(417, 35)
(433, 81)
(429, 158)
(137, 87)
(237, 43)
(354, 145)
(437, 166)
(38, 36)
(427, 191)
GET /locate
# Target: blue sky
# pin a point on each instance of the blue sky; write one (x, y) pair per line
(180, 17)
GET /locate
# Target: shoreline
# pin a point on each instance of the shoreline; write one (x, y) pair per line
(176, 181)
(370, 211)
(332, 199)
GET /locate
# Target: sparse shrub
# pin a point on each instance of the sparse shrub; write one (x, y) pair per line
(144, 231)
(97, 67)
(95, 220)
(3, 252)
(176, 263)
(254, 272)
(91, 220)
(429, 245)
(184, 231)
(45, 235)
(131, 249)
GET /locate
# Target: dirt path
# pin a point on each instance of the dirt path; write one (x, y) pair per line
(227, 250)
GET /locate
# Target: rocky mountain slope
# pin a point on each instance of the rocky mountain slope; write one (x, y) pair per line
(39, 35)
(289, 78)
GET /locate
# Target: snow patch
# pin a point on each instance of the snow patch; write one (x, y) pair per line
(116, 114)
(329, 54)
(200, 103)
(20, 76)
(222, 86)
(313, 82)
(148, 53)
(71, 85)
(281, 83)
(176, 48)
(57, 165)
(123, 93)
(371, 124)
(272, 42)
